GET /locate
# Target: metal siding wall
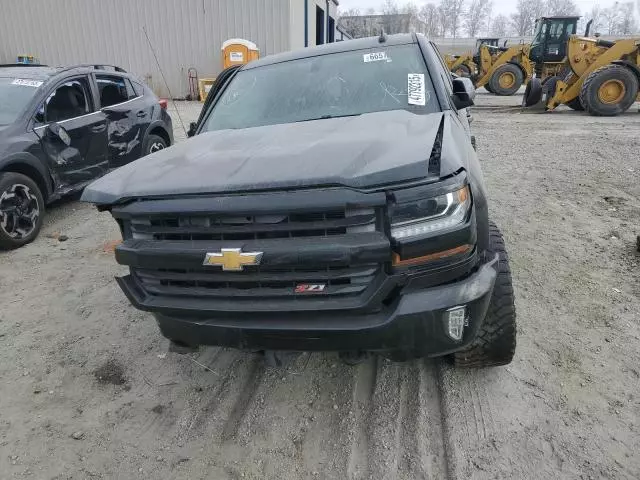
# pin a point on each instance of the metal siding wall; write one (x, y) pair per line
(184, 33)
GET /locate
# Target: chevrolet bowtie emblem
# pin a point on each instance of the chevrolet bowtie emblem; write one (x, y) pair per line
(232, 259)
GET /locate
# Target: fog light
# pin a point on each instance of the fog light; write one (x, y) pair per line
(456, 319)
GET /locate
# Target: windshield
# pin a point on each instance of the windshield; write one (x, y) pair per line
(327, 86)
(15, 93)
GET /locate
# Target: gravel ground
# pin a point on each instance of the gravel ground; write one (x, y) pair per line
(89, 391)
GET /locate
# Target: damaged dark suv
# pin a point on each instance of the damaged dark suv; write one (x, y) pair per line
(330, 200)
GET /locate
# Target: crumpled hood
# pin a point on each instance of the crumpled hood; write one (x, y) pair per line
(364, 151)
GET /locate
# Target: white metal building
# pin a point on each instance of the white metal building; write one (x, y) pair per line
(184, 33)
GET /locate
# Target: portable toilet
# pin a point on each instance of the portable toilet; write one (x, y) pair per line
(237, 51)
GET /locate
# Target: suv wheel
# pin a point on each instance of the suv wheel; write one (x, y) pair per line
(154, 144)
(21, 210)
(496, 340)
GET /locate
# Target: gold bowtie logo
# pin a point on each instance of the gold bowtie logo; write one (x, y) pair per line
(232, 259)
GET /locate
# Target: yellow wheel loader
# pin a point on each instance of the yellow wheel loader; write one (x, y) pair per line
(503, 70)
(599, 76)
(465, 65)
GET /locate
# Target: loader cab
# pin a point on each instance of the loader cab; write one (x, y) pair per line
(550, 39)
(492, 42)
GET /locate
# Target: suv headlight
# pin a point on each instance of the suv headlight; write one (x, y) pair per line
(430, 215)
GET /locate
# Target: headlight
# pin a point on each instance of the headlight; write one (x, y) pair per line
(430, 215)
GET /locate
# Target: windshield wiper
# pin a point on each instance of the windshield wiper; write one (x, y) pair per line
(326, 117)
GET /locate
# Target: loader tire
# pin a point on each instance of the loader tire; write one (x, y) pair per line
(495, 343)
(574, 104)
(506, 80)
(487, 87)
(532, 93)
(609, 90)
(462, 71)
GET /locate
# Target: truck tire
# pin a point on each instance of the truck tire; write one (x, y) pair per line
(609, 90)
(506, 80)
(496, 341)
(21, 210)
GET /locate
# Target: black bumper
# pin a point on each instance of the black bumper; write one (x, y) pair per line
(414, 322)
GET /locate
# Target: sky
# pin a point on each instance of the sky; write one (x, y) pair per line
(503, 6)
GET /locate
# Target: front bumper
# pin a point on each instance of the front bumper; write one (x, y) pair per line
(414, 322)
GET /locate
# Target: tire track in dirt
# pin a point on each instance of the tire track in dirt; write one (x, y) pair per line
(435, 439)
(363, 390)
(247, 394)
(198, 414)
(464, 392)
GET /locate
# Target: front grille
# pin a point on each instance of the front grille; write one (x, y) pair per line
(257, 282)
(253, 227)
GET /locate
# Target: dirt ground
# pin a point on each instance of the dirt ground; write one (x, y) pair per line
(88, 389)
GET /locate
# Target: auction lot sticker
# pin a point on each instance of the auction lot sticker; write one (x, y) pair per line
(27, 83)
(375, 57)
(415, 89)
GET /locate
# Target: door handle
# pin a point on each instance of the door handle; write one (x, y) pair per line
(99, 128)
(141, 114)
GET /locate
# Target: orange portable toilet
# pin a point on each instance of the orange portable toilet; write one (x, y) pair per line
(237, 51)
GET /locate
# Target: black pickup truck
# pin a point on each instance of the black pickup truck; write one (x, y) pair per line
(329, 200)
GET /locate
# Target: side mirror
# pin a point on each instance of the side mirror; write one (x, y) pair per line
(463, 92)
(193, 126)
(56, 131)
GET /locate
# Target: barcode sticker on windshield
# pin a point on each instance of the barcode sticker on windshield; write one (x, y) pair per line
(375, 57)
(415, 89)
(27, 83)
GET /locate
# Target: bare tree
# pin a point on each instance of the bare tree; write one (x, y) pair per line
(596, 16)
(611, 20)
(500, 26)
(628, 24)
(561, 7)
(527, 11)
(390, 10)
(454, 10)
(476, 16)
(351, 24)
(429, 15)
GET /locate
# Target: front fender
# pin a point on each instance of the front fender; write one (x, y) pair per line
(27, 163)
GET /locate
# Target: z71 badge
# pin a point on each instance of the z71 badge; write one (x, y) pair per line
(310, 288)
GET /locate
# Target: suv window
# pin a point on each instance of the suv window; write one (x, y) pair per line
(137, 88)
(334, 85)
(113, 90)
(69, 100)
(15, 95)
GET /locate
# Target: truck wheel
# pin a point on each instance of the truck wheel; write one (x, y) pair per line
(496, 340)
(21, 210)
(609, 90)
(506, 80)
(462, 71)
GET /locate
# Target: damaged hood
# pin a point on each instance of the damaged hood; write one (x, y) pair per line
(359, 152)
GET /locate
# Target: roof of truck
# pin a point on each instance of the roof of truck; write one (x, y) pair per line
(337, 47)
